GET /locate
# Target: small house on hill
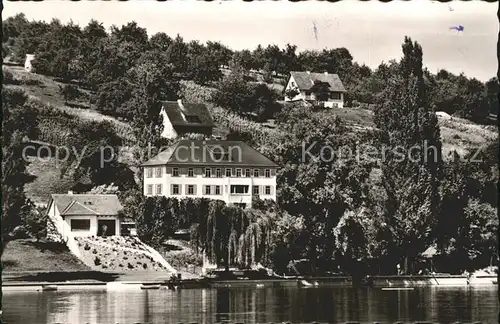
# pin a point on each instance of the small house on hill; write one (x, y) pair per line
(181, 118)
(77, 215)
(27, 63)
(325, 88)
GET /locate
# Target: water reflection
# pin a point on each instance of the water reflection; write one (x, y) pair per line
(254, 305)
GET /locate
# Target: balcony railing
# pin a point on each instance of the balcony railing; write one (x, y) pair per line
(240, 194)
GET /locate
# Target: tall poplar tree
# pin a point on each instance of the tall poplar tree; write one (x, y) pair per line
(411, 165)
(18, 122)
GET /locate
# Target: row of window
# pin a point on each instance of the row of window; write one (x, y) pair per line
(333, 95)
(209, 190)
(238, 172)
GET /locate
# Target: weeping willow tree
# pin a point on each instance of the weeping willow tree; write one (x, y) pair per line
(203, 233)
(250, 240)
(233, 236)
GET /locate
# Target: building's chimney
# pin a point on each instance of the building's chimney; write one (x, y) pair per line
(70, 192)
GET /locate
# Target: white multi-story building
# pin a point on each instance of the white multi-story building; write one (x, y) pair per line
(230, 171)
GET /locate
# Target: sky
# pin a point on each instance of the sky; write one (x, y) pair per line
(372, 31)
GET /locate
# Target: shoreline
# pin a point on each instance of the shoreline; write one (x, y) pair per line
(396, 282)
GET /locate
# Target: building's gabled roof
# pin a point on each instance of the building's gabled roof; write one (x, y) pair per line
(305, 80)
(86, 204)
(162, 157)
(187, 114)
(207, 152)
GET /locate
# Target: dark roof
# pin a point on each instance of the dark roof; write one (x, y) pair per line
(86, 204)
(206, 153)
(306, 80)
(188, 114)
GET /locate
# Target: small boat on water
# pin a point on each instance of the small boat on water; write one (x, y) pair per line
(48, 288)
(147, 287)
(173, 285)
(175, 282)
(396, 288)
(304, 283)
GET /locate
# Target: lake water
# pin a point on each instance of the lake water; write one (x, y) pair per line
(254, 305)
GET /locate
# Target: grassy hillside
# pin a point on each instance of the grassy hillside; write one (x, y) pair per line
(47, 90)
(47, 171)
(28, 255)
(456, 133)
(48, 180)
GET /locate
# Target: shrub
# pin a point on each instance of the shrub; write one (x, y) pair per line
(94, 251)
(31, 82)
(69, 92)
(35, 222)
(194, 136)
(267, 75)
(130, 266)
(145, 266)
(8, 77)
(180, 260)
(19, 232)
(194, 93)
(86, 247)
(97, 261)
(241, 125)
(318, 106)
(291, 93)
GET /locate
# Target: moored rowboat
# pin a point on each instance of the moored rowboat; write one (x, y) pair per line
(396, 288)
(150, 286)
(48, 288)
(305, 283)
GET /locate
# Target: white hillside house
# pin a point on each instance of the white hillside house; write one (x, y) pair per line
(304, 82)
(81, 215)
(27, 63)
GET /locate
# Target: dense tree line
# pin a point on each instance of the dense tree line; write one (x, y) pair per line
(114, 63)
(227, 235)
(18, 122)
(418, 202)
(253, 100)
(344, 216)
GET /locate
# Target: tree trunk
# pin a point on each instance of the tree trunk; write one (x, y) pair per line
(227, 261)
(313, 256)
